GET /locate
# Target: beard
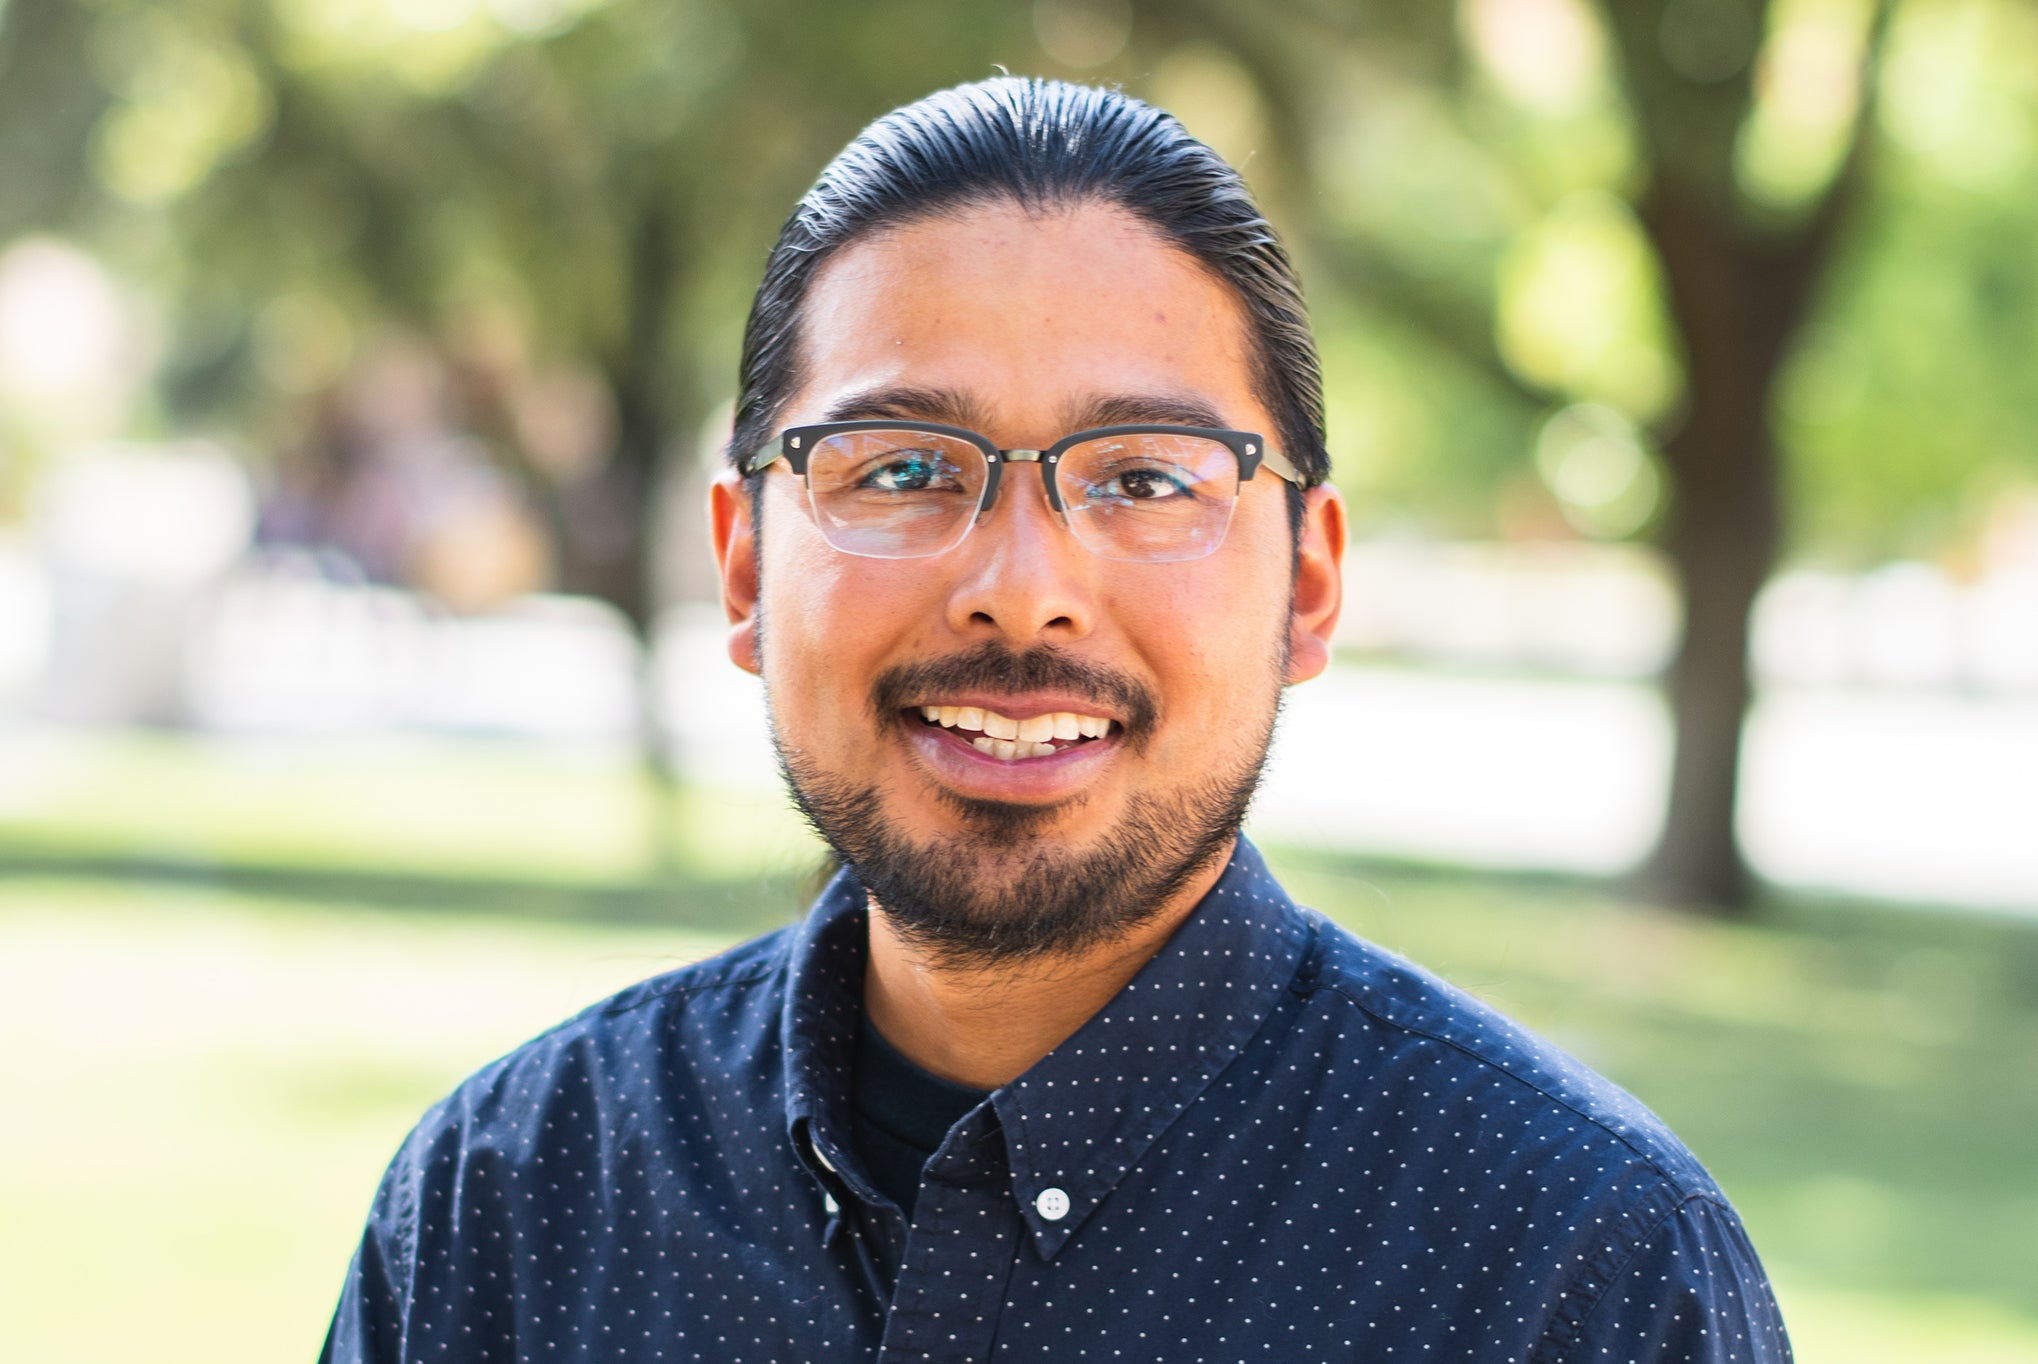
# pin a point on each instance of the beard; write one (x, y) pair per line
(1005, 888)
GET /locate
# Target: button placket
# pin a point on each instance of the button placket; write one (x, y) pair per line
(960, 1247)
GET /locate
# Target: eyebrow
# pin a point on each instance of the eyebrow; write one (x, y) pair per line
(950, 407)
(953, 407)
(1144, 409)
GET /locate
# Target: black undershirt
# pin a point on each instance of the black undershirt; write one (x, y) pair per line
(902, 1114)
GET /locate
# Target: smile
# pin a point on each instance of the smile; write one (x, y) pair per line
(1001, 736)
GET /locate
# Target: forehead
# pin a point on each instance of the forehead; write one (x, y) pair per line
(1032, 318)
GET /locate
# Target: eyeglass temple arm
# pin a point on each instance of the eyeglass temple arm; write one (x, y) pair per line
(765, 455)
(1280, 465)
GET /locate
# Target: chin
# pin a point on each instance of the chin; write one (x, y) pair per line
(997, 828)
(1007, 883)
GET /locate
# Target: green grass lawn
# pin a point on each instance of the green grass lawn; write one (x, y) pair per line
(226, 992)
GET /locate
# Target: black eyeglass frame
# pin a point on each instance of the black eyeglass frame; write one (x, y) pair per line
(795, 442)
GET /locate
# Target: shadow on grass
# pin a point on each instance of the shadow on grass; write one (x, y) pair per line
(734, 906)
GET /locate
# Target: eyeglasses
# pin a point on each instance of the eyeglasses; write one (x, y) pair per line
(1142, 494)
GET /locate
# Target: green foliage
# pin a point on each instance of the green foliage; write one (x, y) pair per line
(1913, 400)
(292, 176)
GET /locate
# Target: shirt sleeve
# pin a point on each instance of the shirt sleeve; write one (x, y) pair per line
(1693, 1292)
(367, 1328)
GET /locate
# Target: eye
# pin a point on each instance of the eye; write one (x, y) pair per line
(1144, 483)
(910, 471)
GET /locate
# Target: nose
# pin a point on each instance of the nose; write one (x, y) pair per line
(1020, 575)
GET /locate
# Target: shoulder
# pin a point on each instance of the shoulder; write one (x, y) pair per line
(623, 1049)
(1691, 1291)
(1560, 1174)
(1423, 1029)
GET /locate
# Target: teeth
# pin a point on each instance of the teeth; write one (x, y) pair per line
(1028, 738)
(1011, 749)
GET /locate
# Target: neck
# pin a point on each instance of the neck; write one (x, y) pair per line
(985, 1025)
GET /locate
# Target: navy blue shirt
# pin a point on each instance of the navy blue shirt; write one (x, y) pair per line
(1277, 1143)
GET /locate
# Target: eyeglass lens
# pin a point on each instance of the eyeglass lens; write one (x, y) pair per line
(902, 494)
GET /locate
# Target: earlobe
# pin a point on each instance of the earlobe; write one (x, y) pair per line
(1319, 584)
(733, 530)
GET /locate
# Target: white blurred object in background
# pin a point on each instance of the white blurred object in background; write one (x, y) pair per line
(1611, 611)
(70, 348)
(285, 650)
(1593, 610)
(133, 540)
(2001, 629)
(1907, 626)
(24, 621)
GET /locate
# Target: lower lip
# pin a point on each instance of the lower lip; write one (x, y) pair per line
(969, 772)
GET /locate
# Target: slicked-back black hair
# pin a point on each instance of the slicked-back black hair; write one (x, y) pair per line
(1043, 145)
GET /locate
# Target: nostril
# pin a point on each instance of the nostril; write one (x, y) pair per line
(1056, 623)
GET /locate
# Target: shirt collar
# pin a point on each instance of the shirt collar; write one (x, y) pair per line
(1081, 1118)
(822, 1011)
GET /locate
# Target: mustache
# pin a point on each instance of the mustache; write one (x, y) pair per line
(995, 667)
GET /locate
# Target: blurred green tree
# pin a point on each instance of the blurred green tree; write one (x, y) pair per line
(1686, 212)
(532, 185)
(1711, 233)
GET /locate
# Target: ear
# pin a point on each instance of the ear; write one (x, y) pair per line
(735, 537)
(1319, 583)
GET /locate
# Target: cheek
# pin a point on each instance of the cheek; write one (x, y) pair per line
(803, 580)
(832, 621)
(1211, 636)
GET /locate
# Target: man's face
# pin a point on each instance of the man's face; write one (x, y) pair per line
(1025, 328)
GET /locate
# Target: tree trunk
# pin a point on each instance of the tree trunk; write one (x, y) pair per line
(616, 550)
(609, 519)
(1738, 298)
(1722, 544)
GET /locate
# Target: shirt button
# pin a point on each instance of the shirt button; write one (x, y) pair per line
(1052, 1204)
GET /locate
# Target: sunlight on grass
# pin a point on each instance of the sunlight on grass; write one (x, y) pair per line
(1832, 1327)
(218, 1083)
(485, 808)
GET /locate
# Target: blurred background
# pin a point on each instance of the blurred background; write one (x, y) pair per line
(363, 707)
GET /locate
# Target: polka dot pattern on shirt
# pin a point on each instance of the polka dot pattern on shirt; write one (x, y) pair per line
(1278, 1142)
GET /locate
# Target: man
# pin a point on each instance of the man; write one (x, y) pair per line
(1026, 531)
